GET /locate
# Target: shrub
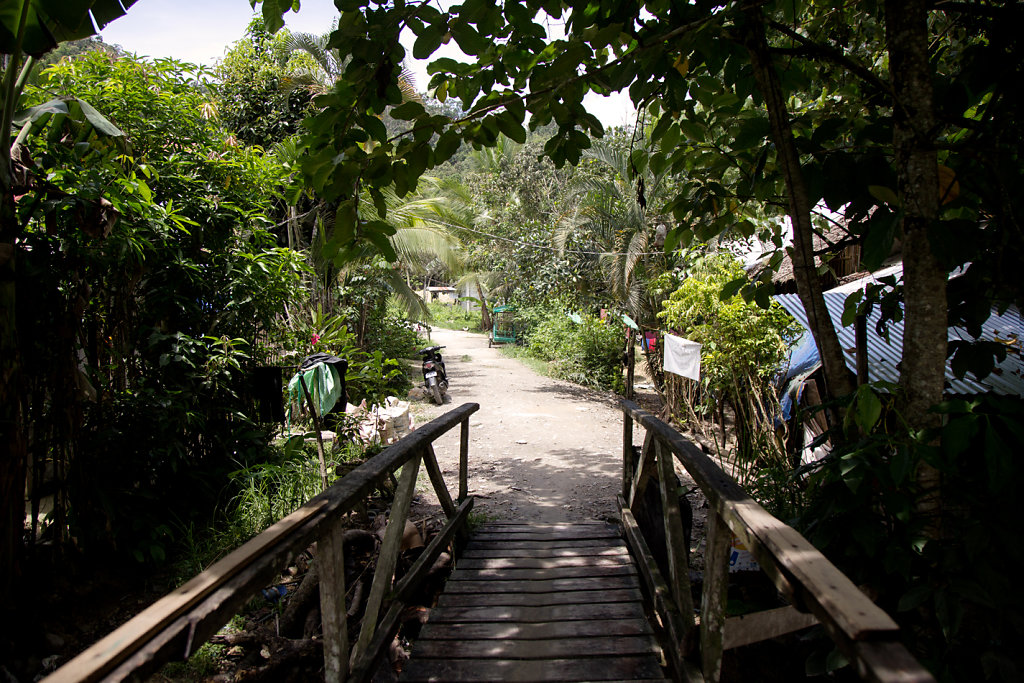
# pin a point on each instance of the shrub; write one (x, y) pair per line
(588, 353)
(453, 317)
(743, 348)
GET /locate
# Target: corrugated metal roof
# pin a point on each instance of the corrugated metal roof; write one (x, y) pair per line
(884, 357)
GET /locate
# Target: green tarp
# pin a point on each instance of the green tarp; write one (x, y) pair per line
(324, 385)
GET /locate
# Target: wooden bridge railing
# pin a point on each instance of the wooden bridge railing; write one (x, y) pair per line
(175, 625)
(864, 633)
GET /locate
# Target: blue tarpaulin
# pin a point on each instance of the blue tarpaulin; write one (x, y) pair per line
(803, 360)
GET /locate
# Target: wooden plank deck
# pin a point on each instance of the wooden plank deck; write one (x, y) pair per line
(539, 602)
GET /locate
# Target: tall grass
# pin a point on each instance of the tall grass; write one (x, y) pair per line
(263, 493)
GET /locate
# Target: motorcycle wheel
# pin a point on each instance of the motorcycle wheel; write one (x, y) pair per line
(435, 391)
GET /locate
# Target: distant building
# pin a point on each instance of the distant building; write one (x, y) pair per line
(444, 295)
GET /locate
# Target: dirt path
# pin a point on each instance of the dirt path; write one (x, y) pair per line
(540, 449)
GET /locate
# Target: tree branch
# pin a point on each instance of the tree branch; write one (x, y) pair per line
(831, 54)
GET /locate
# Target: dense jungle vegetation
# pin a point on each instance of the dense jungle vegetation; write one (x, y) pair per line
(168, 229)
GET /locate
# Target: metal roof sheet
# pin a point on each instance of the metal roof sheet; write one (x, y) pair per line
(884, 356)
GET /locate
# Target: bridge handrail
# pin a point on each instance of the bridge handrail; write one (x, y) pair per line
(181, 620)
(864, 633)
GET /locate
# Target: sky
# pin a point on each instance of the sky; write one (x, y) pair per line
(200, 32)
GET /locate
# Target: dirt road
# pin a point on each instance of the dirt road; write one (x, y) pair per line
(540, 449)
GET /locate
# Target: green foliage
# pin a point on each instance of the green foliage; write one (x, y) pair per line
(588, 353)
(199, 667)
(46, 26)
(147, 278)
(262, 493)
(739, 339)
(258, 96)
(742, 349)
(953, 592)
(373, 374)
(453, 316)
(688, 69)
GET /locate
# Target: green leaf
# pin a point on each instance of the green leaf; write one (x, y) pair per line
(511, 128)
(467, 37)
(694, 131)
(879, 240)
(638, 160)
(850, 307)
(54, 106)
(672, 239)
(746, 228)
(670, 139)
(869, 408)
(98, 121)
(447, 144)
(383, 244)
(752, 133)
(731, 288)
(836, 660)
(428, 41)
(884, 194)
(900, 466)
(408, 111)
(54, 21)
(345, 222)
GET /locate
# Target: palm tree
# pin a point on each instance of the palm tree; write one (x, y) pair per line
(329, 64)
(611, 218)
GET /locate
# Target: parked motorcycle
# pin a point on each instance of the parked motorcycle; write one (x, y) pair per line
(434, 375)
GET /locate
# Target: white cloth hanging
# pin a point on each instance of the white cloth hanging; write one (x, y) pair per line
(682, 356)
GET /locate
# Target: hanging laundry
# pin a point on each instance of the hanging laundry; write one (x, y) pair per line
(682, 356)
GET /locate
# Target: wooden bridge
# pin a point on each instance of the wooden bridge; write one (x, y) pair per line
(557, 602)
(536, 602)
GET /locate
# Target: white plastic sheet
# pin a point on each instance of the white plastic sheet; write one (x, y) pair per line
(682, 356)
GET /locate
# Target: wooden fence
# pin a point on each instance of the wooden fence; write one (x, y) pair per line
(816, 589)
(176, 624)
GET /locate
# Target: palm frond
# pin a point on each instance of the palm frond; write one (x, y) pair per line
(407, 85)
(408, 300)
(418, 244)
(634, 255)
(316, 46)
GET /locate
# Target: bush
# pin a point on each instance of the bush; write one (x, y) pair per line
(946, 570)
(372, 375)
(588, 353)
(453, 317)
(262, 493)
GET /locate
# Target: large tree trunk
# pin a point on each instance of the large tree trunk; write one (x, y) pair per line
(925, 337)
(924, 280)
(838, 379)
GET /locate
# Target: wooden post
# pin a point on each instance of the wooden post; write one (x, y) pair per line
(316, 426)
(464, 461)
(675, 541)
(716, 588)
(627, 453)
(388, 557)
(437, 479)
(643, 468)
(630, 362)
(331, 566)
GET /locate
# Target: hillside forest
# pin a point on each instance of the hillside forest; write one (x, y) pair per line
(169, 232)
